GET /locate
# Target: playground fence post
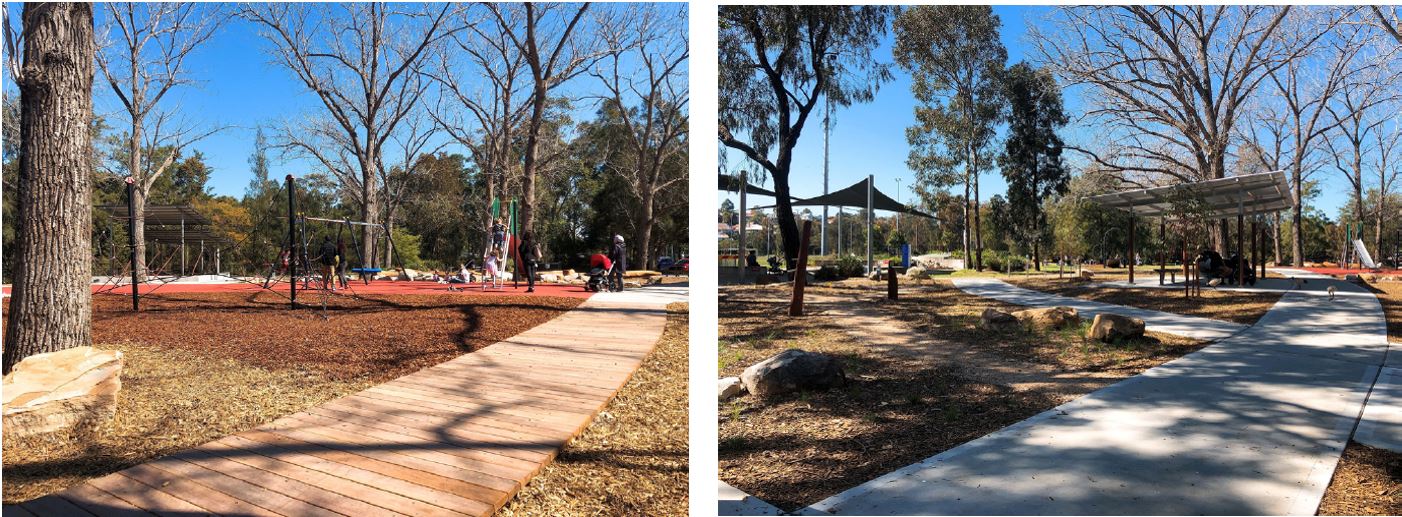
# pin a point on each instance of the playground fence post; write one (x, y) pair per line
(800, 276)
(891, 288)
(131, 243)
(292, 238)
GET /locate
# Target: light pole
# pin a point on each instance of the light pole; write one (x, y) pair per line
(898, 201)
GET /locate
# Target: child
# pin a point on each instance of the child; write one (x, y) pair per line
(498, 234)
(493, 266)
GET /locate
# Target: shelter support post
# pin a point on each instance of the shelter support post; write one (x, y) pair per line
(1240, 243)
(182, 246)
(1163, 250)
(1131, 247)
(1187, 282)
(1255, 257)
(800, 274)
(871, 186)
(743, 253)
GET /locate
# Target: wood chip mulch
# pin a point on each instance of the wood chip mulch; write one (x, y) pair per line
(373, 337)
(1368, 481)
(905, 401)
(632, 460)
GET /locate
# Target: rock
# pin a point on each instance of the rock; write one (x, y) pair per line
(1112, 328)
(917, 272)
(549, 277)
(631, 284)
(792, 370)
(58, 390)
(410, 274)
(1086, 274)
(994, 319)
(729, 388)
(567, 273)
(1214, 282)
(1053, 318)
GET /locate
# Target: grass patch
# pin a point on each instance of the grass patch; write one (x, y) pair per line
(1234, 306)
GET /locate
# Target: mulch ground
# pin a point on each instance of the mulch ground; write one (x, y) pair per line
(374, 337)
(200, 366)
(1238, 307)
(900, 405)
(632, 460)
(1368, 481)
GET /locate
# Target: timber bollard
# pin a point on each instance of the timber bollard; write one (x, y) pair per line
(800, 276)
(891, 280)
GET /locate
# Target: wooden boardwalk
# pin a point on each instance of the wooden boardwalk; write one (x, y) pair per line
(459, 438)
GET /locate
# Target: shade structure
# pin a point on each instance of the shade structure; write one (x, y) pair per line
(172, 224)
(1248, 194)
(856, 196)
(730, 183)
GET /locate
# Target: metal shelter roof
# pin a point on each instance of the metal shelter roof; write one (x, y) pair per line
(730, 183)
(856, 196)
(163, 223)
(1258, 193)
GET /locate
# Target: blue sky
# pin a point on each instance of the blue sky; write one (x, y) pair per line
(870, 138)
(239, 87)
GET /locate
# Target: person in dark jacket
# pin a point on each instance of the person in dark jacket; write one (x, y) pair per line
(529, 254)
(619, 255)
(327, 257)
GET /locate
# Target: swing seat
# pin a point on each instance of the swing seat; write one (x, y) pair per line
(366, 273)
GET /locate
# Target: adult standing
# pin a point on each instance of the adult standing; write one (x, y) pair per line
(529, 253)
(619, 255)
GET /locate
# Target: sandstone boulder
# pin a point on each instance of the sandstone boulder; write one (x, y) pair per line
(996, 320)
(549, 278)
(729, 388)
(917, 272)
(1112, 328)
(70, 388)
(792, 370)
(1053, 318)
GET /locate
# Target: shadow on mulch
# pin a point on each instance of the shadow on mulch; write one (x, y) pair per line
(372, 337)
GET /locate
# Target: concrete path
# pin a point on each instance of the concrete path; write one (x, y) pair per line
(1253, 425)
(458, 438)
(1194, 327)
(1381, 425)
(732, 501)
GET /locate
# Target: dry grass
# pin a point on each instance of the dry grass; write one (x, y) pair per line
(1368, 481)
(1390, 296)
(919, 384)
(171, 400)
(1239, 307)
(632, 460)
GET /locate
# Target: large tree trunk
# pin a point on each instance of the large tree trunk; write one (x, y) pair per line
(978, 219)
(51, 304)
(645, 230)
(138, 233)
(1275, 237)
(528, 169)
(968, 251)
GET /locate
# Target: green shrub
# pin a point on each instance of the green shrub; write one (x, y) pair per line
(850, 266)
(999, 261)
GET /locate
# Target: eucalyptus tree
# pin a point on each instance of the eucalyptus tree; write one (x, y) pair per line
(1031, 160)
(143, 58)
(956, 62)
(1168, 85)
(776, 63)
(359, 60)
(557, 42)
(51, 62)
(648, 102)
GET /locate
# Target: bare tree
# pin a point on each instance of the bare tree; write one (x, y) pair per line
(414, 138)
(143, 58)
(1386, 18)
(359, 60)
(51, 303)
(650, 105)
(1388, 145)
(1304, 89)
(483, 116)
(556, 48)
(1169, 83)
(1355, 115)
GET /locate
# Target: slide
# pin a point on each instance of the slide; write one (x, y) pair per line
(1363, 255)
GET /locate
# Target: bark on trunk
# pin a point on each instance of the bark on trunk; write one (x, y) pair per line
(968, 251)
(139, 230)
(369, 212)
(644, 239)
(528, 169)
(1297, 244)
(51, 304)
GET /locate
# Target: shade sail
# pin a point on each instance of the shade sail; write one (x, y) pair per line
(730, 183)
(1247, 194)
(164, 223)
(856, 196)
